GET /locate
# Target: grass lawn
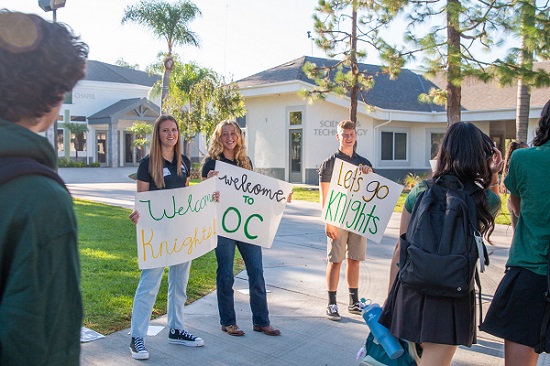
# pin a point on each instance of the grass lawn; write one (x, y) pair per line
(110, 274)
(109, 270)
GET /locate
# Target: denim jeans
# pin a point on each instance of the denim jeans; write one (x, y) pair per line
(252, 256)
(146, 294)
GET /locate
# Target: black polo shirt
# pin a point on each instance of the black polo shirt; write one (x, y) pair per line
(326, 168)
(171, 178)
(210, 164)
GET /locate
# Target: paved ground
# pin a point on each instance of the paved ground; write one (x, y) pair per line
(295, 276)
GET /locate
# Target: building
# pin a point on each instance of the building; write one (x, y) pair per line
(288, 138)
(108, 100)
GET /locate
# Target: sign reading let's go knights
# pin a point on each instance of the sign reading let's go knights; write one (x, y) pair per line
(360, 203)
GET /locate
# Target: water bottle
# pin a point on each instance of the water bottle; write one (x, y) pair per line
(391, 345)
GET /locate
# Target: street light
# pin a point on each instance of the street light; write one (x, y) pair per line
(49, 5)
(52, 5)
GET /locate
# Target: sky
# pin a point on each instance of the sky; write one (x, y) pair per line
(238, 37)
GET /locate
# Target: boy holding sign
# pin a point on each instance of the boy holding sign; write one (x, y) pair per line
(342, 243)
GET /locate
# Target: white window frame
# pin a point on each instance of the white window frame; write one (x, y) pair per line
(393, 163)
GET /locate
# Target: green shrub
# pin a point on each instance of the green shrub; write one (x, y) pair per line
(66, 163)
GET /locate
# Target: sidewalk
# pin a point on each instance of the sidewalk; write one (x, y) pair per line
(294, 269)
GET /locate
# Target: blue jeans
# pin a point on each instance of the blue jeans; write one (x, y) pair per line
(146, 294)
(252, 256)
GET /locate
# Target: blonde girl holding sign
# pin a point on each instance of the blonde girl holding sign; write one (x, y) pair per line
(227, 145)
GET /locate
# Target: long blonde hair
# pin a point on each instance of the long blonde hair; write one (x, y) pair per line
(156, 161)
(216, 146)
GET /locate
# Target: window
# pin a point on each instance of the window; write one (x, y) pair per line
(393, 146)
(60, 139)
(78, 142)
(68, 98)
(295, 118)
(241, 121)
(435, 143)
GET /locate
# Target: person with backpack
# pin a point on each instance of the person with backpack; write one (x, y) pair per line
(40, 299)
(517, 310)
(438, 315)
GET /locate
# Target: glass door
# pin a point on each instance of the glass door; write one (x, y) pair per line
(295, 154)
(102, 147)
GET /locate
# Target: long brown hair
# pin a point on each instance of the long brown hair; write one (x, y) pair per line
(542, 133)
(466, 152)
(156, 161)
(216, 146)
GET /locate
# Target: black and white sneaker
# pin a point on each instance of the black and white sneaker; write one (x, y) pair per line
(356, 308)
(183, 337)
(332, 312)
(138, 350)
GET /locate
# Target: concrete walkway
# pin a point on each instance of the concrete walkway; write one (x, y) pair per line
(294, 270)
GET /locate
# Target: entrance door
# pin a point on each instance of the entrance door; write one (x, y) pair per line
(295, 154)
(101, 147)
(128, 151)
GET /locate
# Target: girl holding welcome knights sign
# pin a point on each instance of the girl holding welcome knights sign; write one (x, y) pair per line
(164, 168)
(439, 324)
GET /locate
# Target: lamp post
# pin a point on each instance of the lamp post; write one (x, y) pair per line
(52, 5)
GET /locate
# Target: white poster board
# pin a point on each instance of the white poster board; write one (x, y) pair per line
(175, 225)
(251, 204)
(360, 203)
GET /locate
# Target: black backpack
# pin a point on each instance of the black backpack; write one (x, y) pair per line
(14, 167)
(440, 249)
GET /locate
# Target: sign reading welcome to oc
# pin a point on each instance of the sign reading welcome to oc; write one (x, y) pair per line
(178, 225)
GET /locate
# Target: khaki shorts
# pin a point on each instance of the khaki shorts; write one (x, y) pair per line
(346, 245)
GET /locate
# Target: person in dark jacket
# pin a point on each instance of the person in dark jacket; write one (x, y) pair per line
(40, 300)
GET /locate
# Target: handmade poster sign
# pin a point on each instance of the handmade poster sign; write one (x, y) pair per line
(251, 204)
(175, 225)
(361, 203)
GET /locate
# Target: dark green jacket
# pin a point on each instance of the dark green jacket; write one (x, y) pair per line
(40, 301)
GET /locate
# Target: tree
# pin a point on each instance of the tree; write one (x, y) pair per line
(460, 31)
(78, 130)
(123, 63)
(199, 98)
(532, 26)
(141, 130)
(167, 21)
(340, 25)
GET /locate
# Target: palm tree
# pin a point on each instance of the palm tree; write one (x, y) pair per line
(78, 129)
(167, 21)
